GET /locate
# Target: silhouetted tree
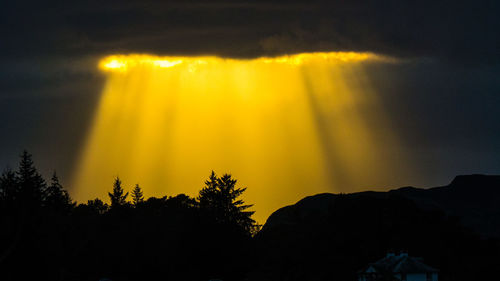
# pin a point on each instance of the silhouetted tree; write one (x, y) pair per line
(8, 186)
(220, 198)
(117, 197)
(182, 200)
(31, 183)
(137, 196)
(56, 197)
(97, 206)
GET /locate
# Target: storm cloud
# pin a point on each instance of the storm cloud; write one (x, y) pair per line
(444, 102)
(454, 30)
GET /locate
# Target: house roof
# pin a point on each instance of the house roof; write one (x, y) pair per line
(399, 264)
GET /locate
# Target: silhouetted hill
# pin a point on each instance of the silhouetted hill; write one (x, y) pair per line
(472, 198)
(330, 237)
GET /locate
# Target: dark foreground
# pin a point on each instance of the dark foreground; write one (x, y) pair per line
(323, 237)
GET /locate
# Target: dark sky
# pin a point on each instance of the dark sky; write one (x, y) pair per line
(444, 102)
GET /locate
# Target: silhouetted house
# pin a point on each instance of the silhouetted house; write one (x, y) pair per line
(398, 267)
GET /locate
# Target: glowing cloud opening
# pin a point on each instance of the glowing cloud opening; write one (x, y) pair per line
(285, 127)
(124, 62)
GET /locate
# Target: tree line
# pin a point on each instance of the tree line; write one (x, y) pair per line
(131, 238)
(27, 188)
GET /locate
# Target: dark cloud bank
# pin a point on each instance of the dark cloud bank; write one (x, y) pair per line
(450, 29)
(444, 104)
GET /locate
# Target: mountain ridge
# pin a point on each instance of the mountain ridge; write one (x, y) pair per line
(471, 198)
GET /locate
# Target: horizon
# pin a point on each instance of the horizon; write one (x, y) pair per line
(128, 188)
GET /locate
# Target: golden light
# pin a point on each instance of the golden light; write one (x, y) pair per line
(285, 127)
(123, 62)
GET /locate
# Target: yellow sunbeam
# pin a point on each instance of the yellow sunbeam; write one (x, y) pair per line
(285, 127)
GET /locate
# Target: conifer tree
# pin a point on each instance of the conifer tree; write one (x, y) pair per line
(118, 197)
(137, 195)
(8, 186)
(57, 198)
(220, 197)
(31, 184)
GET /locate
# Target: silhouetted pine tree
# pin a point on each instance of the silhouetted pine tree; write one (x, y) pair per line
(220, 197)
(31, 183)
(117, 197)
(8, 186)
(56, 197)
(137, 196)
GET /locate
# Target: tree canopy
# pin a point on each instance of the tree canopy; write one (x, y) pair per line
(118, 196)
(56, 197)
(58, 238)
(137, 195)
(221, 198)
(31, 185)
